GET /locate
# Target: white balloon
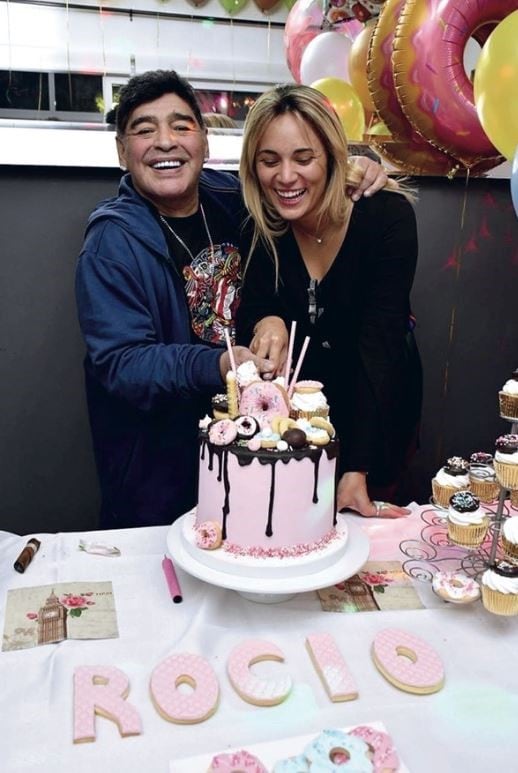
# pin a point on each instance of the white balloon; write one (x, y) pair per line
(326, 56)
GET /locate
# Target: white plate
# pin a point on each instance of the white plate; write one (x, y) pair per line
(353, 558)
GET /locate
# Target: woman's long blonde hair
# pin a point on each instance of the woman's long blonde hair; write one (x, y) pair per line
(313, 109)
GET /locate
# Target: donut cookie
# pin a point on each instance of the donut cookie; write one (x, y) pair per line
(252, 689)
(455, 587)
(102, 690)
(246, 427)
(308, 387)
(179, 707)
(334, 750)
(236, 762)
(208, 535)
(222, 432)
(381, 749)
(407, 662)
(298, 764)
(331, 667)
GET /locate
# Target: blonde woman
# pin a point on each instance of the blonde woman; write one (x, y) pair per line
(344, 271)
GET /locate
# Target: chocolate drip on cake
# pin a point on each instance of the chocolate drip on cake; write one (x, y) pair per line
(269, 528)
(316, 463)
(226, 485)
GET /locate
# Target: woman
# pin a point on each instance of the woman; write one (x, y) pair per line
(343, 270)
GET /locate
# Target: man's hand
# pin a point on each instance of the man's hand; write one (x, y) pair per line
(352, 495)
(241, 354)
(374, 177)
(271, 340)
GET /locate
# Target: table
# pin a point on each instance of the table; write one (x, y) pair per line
(471, 724)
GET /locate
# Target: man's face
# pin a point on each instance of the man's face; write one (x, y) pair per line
(163, 148)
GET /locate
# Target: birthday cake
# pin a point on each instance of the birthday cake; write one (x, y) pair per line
(267, 481)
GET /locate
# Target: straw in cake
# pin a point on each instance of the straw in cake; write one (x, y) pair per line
(298, 366)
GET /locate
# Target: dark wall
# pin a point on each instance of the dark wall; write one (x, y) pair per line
(464, 298)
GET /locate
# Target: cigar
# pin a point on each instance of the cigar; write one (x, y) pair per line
(27, 554)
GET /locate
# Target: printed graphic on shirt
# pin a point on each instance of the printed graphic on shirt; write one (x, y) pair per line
(213, 288)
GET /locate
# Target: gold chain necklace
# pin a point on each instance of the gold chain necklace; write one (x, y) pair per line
(181, 241)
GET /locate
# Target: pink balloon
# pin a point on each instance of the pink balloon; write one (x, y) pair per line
(302, 25)
(326, 56)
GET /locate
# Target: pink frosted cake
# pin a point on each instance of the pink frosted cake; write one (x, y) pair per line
(267, 488)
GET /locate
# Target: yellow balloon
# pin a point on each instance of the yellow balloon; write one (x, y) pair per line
(496, 86)
(379, 129)
(346, 103)
(358, 57)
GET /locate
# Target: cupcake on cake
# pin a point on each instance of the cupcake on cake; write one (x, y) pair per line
(500, 589)
(506, 461)
(451, 478)
(482, 477)
(508, 398)
(467, 522)
(308, 401)
(510, 538)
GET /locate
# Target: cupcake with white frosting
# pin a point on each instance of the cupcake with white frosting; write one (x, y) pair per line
(510, 537)
(508, 398)
(467, 521)
(499, 585)
(449, 479)
(506, 461)
(482, 477)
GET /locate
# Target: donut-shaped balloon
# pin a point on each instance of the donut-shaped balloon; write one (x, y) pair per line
(263, 400)
(410, 151)
(433, 88)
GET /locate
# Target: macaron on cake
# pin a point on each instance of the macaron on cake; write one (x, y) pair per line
(467, 521)
(482, 477)
(499, 585)
(449, 479)
(506, 461)
(508, 398)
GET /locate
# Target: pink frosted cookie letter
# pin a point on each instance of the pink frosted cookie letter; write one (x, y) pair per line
(260, 692)
(331, 667)
(102, 690)
(407, 662)
(176, 706)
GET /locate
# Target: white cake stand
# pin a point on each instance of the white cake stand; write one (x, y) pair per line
(273, 590)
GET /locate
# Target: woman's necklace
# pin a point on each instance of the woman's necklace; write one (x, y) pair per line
(181, 241)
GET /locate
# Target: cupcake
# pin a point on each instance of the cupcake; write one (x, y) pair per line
(482, 478)
(510, 537)
(308, 401)
(508, 398)
(467, 522)
(506, 461)
(500, 589)
(451, 478)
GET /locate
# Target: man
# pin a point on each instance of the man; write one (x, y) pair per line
(157, 284)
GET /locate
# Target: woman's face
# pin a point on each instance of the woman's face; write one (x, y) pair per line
(291, 165)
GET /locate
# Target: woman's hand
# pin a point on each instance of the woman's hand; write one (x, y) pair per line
(352, 494)
(271, 340)
(374, 177)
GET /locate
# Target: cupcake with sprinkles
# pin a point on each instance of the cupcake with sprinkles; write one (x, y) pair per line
(508, 398)
(499, 585)
(506, 461)
(510, 538)
(467, 521)
(449, 479)
(482, 477)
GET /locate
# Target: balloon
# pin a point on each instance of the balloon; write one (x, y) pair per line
(514, 182)
(346, 103)
(358, 65)
(432, 86)
(361, 10)
(496, 86)
(379, 129)
(289, 4)
(233, 6)
(302, 25)
(266, 5)
(325, 56)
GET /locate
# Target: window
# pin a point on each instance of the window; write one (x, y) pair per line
(24, 90)
(78, 93)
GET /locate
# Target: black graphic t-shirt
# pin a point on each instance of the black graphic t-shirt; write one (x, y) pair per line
(212, 273)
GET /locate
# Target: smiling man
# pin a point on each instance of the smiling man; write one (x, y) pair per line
(158, 283)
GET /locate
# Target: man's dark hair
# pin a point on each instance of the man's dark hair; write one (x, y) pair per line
(152, 85)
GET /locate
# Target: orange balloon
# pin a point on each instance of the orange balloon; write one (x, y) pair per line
(358, 58)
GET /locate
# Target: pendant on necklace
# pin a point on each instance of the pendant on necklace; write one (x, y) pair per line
(319, 240)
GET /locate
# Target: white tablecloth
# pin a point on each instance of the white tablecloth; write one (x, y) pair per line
(470, 725)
